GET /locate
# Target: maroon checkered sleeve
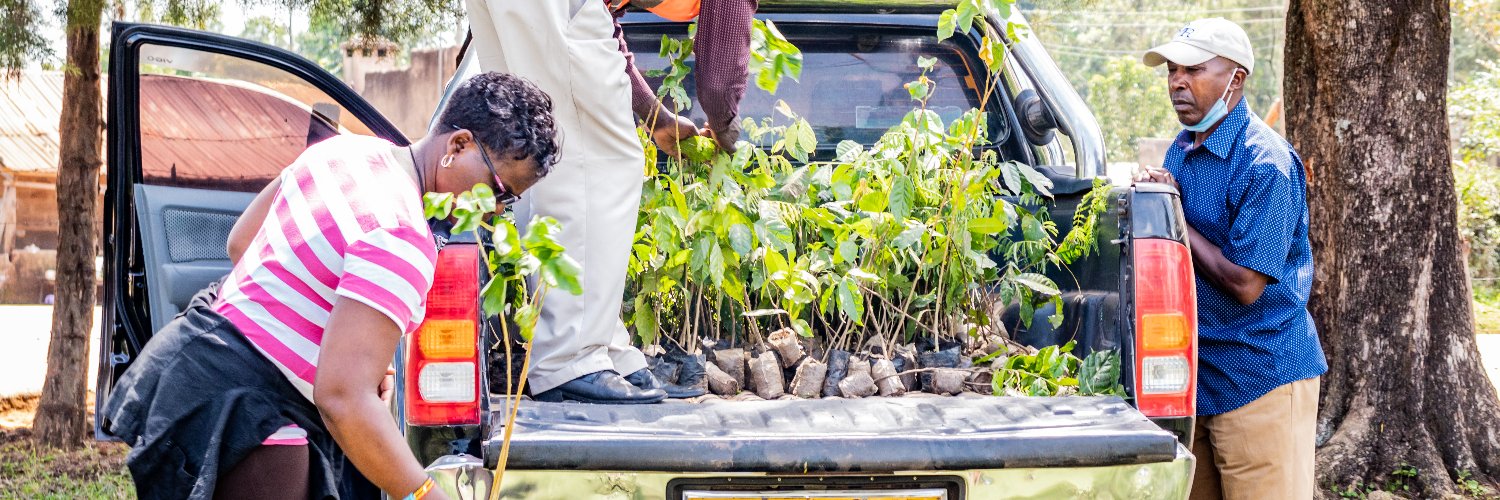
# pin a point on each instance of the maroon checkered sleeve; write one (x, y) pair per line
(722, 49)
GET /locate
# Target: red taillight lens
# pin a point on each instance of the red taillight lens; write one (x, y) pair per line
(442, 367)
(1166, 329)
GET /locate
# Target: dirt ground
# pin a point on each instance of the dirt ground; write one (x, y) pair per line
(30, 471)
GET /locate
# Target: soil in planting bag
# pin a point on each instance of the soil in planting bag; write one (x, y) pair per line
(808, 383)
(721, 383)
(784, 341)
(765, 376)
(982, 382)
(838, 368)
(947, 357)
(732, 363)
(886, 379)
(948, 381)
(906, 360)
(858, 383)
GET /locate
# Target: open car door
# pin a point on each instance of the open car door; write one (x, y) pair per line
(198, 123)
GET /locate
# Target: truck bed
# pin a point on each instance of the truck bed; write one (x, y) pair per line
(868, 435)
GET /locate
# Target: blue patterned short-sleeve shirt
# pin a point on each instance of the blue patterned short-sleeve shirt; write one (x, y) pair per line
(1244, 190)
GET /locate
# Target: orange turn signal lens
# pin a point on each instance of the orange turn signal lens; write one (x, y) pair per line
(1163, 331)
(447, 339)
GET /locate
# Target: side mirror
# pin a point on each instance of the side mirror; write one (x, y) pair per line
(1037, 122)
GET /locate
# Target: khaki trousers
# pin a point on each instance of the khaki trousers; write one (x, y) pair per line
(567, 48)
(1261, 450)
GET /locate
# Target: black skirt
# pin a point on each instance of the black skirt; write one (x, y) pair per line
(198, 399)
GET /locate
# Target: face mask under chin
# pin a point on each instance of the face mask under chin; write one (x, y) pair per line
(1217, 112)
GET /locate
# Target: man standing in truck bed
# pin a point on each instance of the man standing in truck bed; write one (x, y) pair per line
(1244, 197)
(574, 51)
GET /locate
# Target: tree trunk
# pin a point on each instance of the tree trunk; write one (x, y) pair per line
(1366, 97)
(60, 419)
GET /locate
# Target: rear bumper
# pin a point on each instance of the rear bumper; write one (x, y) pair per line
(1181, 426)
(462, 476)
(1163, 480)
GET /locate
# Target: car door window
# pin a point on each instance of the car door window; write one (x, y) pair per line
(218, 122)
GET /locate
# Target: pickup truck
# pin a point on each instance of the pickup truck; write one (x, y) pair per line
(198, 122)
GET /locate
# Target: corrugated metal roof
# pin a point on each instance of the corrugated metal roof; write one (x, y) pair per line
(30, 107)
(220, 132)
(194, 131)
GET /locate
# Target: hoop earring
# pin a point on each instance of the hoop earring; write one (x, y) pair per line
(447, 161)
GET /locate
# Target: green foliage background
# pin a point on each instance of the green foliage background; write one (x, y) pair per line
(1098, 44)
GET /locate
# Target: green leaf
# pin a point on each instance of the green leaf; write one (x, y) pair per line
(902, 197)
(645, 321)
(526, 317)
(1041, 284)
(804, 136)
(919, 89)
(874, 201)
(484, 198)
(863, 275)
(563, 272)
(910, 236)
(700, 267)
(947, 24)
(1032, 229)
(760, 313)
(775, 262)
(1038, 181)
(437, 205)
(851, 300)
(740, 239)
(802, 328)
(494, 295)
(698, 148)
(987, 225)
(1010, 175)
(925, 62)
(716, 265)
(847, 150)
(967, 11)
(1100, 374)
(848, 251)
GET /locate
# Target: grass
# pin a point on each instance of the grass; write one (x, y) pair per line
(1487, 310)
(29, 470)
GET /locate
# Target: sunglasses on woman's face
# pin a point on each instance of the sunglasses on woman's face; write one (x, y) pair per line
(503, 196)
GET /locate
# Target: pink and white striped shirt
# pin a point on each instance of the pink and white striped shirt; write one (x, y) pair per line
(346, 222)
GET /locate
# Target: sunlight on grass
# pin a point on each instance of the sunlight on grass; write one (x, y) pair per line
(96, 471)
(1487, 311)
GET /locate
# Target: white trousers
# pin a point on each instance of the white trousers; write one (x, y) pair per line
(567, 48)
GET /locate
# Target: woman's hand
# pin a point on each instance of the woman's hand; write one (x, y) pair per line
(388, 384)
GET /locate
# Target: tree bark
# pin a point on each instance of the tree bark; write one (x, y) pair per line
(60, 420)
(1366, 97)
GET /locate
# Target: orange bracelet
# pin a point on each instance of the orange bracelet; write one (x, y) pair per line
(422, 490)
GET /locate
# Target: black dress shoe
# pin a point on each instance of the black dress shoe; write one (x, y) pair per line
(602, 387)
(645, 380)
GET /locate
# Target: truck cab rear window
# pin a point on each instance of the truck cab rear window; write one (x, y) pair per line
(853, 80)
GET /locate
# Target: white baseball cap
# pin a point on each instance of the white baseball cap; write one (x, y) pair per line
(1200, 41)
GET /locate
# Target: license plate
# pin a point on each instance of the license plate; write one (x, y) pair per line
(922, 494)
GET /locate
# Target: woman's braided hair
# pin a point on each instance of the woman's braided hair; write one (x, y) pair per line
(506, 114)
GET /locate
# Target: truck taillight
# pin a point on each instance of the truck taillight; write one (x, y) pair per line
(1166, 329)
(442, 356)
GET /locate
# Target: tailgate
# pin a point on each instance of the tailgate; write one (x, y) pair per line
(832, 435)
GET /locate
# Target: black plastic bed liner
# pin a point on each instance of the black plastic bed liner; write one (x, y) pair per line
(832, 435)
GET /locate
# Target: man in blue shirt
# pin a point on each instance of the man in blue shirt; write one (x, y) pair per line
(1244, 195)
